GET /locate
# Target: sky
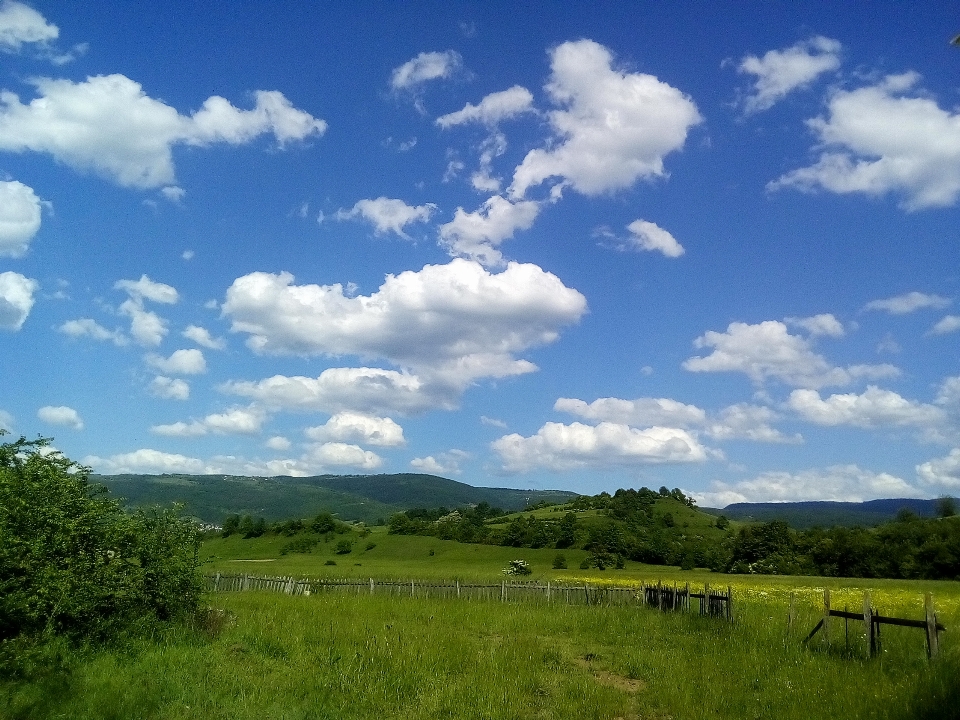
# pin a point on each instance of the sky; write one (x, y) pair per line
(566, 245)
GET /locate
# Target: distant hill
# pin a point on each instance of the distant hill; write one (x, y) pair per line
(352, 497)
(803, 515)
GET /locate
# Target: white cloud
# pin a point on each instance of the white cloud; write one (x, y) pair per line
(883, 139)
(21, 24)
(201, 336)
(817, 325)
(110, 126)
(180, 362)
(779, 72)
(367, 390)
(87, 327)
(949, 393)
(278, 443)
(148, 461)
(478, 234)
(338, 454)
(388, 215)
(450, 324)
(356, 427)
(942, 472)
(169, 388)
(650, 236)
(838, 483)
(642, 412)
(16, 299)
(492, 109)
(613, 127)
(60, 415)
(19, 217)
(444, 464)
(949, 324)
(147, 289)
(767, 350)
(874, 408)
(561, 447)
(748, 422)
(493, 422)
(425, 67)
(908, 303)
(235, 421)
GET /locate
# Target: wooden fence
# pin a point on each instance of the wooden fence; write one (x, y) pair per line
(714, 603)
(872, 620)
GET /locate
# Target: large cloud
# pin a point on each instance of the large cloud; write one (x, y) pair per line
(235, 421)
(367, 390)
(613, 127)
(478, 234)
(16, 299)
(451, 323)
(21, 24)
(885, 138)
(60, 415)
(767, 350)
(838, 483)
(942, 472)
(874, 408)
(356, 427)
(19, 218)
(779, 72)
(110, 126)
(562, 447)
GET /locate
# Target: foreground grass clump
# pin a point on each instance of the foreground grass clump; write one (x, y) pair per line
(350, 656)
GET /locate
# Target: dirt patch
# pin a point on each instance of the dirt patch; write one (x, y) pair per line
(610, 679)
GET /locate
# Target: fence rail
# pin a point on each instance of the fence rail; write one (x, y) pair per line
(711, 602)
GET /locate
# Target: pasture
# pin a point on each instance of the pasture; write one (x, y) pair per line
(341, 655)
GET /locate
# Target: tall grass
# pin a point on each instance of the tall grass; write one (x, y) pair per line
(349, 656)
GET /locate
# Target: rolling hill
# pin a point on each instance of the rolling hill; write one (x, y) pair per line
(803, 515)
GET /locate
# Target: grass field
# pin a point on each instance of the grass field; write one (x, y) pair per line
(348, 656)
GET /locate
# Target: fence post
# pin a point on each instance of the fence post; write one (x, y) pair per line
(729, 603)
(933, 642)
(868, 623)
(458, 588)
(503, 591)
(705, 603)
(411, 588)
(548, 591)
(826, 617)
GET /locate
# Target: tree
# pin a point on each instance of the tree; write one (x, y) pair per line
(74, 564)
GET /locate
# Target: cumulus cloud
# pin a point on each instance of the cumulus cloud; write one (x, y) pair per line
(425, 67)
(874, 408)
(779, 72)
(942, 472)
(87, 327)
(19, 218)
(477, 235)
(339, 455)
(367, 390)
(767, 350)
(388, 215)
(16, 299)
(744, 421)
(451, 324)
(885, 138)
(562, 447)
(817, 325)
(180, 362)
(20, 24)
(492, 109)
(278, 443)
(169, 388)
(146, 327)
(642, 412)
(147, 289)
(147, 460)
(110, 126)
(838, 483)
(445, 464)
(60, 415)
(949, 324)
(359, 428)
(201, 336)
(646, 235)
(235, 421)
(612, 127)
(908, 303)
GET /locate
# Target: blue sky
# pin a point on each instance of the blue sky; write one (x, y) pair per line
(586, 246)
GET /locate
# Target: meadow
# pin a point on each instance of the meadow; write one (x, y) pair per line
(359, 656)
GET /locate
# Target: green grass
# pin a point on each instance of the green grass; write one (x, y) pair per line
(347, 656)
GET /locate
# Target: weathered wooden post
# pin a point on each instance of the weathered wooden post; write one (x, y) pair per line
(933, 642)
(869, 641)
(705, 603)
(548, 591)
(826, 617)
(730, 603)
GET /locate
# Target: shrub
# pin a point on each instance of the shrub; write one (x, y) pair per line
(74, 565)
(517, 567)
(299, 545)
(370, 546)
(560, 562)
(330, 562)
(343, 547)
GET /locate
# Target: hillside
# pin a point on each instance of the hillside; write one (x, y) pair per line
(352, 497)
(804, 515)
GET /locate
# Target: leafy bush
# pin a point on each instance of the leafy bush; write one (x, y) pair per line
(74, 565)
(299, 545)
(560, 562)
(343, 547)
(517, 567)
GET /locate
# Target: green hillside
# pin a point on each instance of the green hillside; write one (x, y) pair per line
(352, 497)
